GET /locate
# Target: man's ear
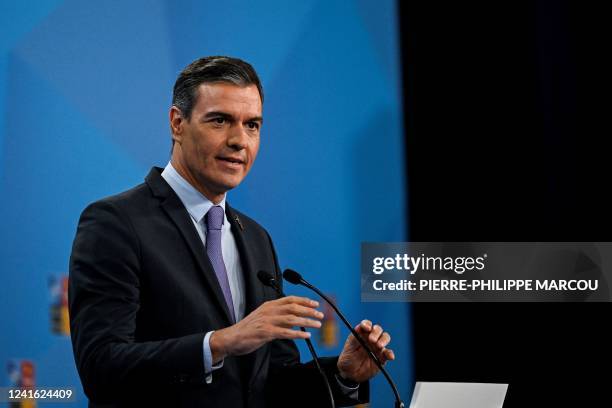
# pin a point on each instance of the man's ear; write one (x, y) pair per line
(176, 124)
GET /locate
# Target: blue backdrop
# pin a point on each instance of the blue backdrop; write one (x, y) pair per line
(85, 89)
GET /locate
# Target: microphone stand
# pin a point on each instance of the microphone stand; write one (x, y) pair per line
(268, 280)
(295, 278)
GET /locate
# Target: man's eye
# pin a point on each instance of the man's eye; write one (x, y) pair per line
(219, 121)
(253, 125)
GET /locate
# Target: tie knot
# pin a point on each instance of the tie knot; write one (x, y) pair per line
(214, 218)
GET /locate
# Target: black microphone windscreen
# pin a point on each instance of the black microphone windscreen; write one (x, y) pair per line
(266, 278)
(292, 276)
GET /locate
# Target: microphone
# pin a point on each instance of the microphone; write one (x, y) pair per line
(268, 279)
(295, 278)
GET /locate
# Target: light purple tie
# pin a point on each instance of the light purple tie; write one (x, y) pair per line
(214, 221)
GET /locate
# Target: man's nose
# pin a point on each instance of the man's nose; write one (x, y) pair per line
(237, 138)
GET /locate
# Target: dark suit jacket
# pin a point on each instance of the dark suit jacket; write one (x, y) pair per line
(142, 295)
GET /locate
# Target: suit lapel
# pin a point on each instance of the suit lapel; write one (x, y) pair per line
(175, 209)
(253, 287)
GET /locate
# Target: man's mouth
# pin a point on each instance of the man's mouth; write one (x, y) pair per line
(231, 160)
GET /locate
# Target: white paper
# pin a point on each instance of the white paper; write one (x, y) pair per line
(458, 395)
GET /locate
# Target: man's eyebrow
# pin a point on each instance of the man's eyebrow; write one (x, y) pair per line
(255, 119)
(217, 114)
(225, 115)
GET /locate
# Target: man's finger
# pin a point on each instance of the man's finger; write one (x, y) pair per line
(292, 334)
(364, 327)
(385, 355)
(383, 341)
(304, 301)
(299, 310)
(289, 321)
(375, 333)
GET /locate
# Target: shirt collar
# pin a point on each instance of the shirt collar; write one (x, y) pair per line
(196, 203)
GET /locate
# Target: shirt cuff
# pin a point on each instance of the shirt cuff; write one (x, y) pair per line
(208, 363)
(349, 391)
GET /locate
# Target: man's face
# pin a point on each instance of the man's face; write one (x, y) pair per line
(216, 148)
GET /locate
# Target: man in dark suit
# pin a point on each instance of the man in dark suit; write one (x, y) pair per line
(165, 304)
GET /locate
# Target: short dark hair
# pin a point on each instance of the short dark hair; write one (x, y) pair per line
(207, 70)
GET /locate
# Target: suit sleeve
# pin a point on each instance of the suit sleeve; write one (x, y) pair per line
(104, 300)
(301, 384)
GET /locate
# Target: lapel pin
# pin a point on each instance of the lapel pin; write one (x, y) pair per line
(237, 219)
